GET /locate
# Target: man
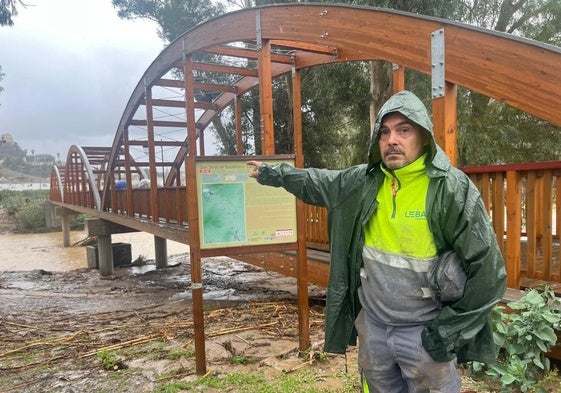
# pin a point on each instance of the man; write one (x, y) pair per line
(389, 221)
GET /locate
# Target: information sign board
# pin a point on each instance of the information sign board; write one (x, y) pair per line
(235, 210)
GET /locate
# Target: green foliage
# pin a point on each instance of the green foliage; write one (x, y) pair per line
(523, 336)
(335, 114)
(175, 17)
(12, 204)
(108, 359)
(300, 382)
(31, 218)
(26, 207)
(77, 223)
(8, 11)
(21, 163)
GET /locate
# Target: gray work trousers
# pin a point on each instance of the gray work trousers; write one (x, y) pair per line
(392, 359)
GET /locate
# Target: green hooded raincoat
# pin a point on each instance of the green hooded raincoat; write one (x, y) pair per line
(456, 216)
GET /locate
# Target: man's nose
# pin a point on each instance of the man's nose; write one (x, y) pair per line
(392, 137)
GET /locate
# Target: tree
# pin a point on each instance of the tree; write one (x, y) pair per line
(492, 132)
(174, 17)
(8, 10)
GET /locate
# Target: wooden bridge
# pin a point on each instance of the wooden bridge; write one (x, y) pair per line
(161, 135)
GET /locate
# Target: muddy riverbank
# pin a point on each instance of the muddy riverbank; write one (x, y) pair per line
(64, 328)
(56, 327)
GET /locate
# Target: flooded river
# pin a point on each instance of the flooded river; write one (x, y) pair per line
(45, 250)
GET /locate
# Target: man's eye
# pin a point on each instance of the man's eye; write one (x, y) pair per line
(403, 131)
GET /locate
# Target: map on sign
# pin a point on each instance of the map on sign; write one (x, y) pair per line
(234, 210)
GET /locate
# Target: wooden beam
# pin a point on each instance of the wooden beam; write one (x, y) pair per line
(266, 99)
(150, 124)
(531, 229)
(193, 220)
(306, 46)
(128, 172)
(398, 78)
(159, 123)
(546, 203)
(223, 69)
(159, 143)
(444, 118)
(238, 120)
(498, 208)
(513, 217)
(302, 262)
(247, 54)
(180, 84)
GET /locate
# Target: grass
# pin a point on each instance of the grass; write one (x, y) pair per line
(299, 382)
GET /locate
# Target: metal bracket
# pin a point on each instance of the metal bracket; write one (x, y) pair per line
(258, 29)
(437, 62)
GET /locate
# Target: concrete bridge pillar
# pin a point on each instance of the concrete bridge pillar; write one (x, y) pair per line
(105, 255)
(103, 230)
(65, 217)
(161, 252)
(65, 222)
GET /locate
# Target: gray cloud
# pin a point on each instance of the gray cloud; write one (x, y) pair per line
(69, 83)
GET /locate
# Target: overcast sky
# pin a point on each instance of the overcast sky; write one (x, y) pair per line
(70, 67)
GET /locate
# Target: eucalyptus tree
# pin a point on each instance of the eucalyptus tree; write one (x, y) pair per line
(8, 11)
(492, 132)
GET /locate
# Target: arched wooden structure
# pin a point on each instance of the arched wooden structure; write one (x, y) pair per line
(163, 125)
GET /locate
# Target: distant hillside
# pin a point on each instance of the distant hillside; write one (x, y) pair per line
(10, 176)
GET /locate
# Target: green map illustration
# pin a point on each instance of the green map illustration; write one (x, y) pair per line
(223, 211)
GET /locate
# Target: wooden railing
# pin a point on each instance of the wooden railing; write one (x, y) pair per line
(172, 203)
(316, 228)
(523, 201)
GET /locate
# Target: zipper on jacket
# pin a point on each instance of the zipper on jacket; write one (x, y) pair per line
(395, 188)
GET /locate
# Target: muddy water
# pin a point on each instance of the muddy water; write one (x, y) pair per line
(45, 250)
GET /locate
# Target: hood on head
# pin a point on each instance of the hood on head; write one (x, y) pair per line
(410, 106)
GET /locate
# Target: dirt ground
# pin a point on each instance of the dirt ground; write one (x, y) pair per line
(76, 331)
(56, 326)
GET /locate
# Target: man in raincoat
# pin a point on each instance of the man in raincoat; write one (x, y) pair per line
(389, 221)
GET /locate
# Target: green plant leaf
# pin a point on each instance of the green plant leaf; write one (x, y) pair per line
(546, 333)
(538, 363)
(541, 345)
(507, 379)
(552, 318)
